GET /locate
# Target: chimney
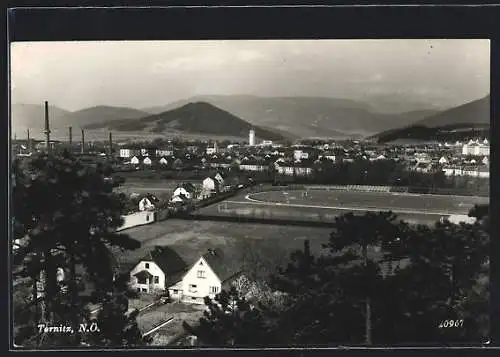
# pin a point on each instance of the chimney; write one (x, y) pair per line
(110, 144)
(29, 142)
(70, 135)
(47, 126)
(83, 141)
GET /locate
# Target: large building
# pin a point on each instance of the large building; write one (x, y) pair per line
(476, 148)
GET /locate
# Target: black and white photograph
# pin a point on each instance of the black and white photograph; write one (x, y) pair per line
(250, 193)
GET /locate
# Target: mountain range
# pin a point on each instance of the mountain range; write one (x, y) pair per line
(273, 118)
(307, 116)
(462, 120)
(197, 117)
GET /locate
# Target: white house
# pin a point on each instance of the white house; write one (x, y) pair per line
(211, 273)
(163, 161)
(300, 155)
(134, 160)
(147, 161)
(147, 203)
(186, 189)
(210, 184)
(443, 160)
(157, 270)
(485, 160)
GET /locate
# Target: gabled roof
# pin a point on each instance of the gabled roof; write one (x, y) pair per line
(152, 198)
(167, 259)
(220, 264)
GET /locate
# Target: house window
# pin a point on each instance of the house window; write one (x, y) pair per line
(201, 274)
(157, 279)
(141, 281)
(147, 265)
(175, 291)
(192, 288)
(147, 218)
(144, 290)
(214, 289)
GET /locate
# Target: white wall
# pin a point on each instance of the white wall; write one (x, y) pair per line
(208, 184)
(153, 270)
(202, 284)
(182, 190)
(137, 219)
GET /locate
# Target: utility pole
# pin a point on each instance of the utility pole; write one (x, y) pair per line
(47, 127)
(83, 142)
(368, 314)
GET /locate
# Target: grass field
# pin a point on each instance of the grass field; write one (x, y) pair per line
(375, 200)
(325, 205)
(192, 239)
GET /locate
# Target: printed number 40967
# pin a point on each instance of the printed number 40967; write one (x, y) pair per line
(451, 323)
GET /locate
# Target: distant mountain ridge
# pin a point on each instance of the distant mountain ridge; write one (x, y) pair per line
(462, 121)
(197, 117)
(306, 116)
(290, 117)
(33, 116)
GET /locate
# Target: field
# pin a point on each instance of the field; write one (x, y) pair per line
(325, 205)
(370, 200)
(156, 187)
(192, 239)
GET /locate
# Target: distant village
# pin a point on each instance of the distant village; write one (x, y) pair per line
(300, 159)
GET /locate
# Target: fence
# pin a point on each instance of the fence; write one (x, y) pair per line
(137, 219)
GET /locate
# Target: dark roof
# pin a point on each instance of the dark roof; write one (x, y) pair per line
(220, 264)
(143, 274)
(152, 198)
(188, 186)
(167, 259)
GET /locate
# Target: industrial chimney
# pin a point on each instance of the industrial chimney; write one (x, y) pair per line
(83, 142)
(70, 129)
(47, 127)
(110, 144)
(29, 142)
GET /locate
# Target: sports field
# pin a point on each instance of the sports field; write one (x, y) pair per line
(337, 199)
(325, 205)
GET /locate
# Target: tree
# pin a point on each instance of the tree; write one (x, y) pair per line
(230, 320)
(66, 213)
(442, 281)
(350, 241)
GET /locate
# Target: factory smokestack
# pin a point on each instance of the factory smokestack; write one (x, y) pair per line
(47, 126)
(110, 144)
(70, 129)
(29, 142)
(83, 142)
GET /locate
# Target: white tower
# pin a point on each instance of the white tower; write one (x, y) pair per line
(251, 138)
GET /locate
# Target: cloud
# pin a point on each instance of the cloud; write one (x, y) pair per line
(250, 56)
(190, 64)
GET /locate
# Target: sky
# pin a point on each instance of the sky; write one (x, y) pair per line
(141, 74)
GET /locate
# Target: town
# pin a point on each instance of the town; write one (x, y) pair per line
(331, 216)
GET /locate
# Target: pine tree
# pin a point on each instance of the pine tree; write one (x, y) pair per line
(66, 214)
(230, 320)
